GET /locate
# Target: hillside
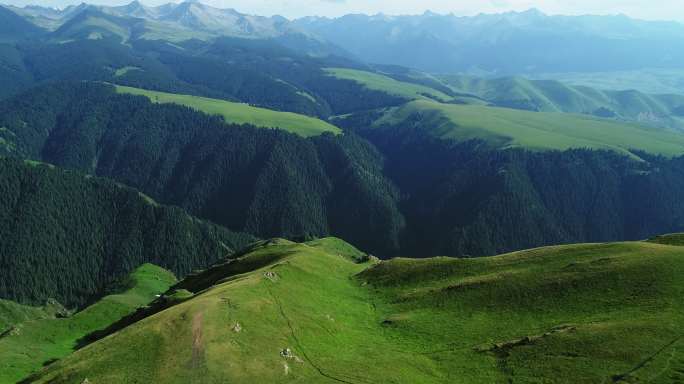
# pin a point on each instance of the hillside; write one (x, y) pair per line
(261, 181)
(379, 82)
(67, 236)
(308, 312)
(260, 72)
(30, 342)
(394, 189)
(554, 96)
(238, 113)
(15, 28)
(91, 24)
(649, 80)
(509, 128)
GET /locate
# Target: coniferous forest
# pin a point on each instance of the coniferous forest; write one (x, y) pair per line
(390, 190)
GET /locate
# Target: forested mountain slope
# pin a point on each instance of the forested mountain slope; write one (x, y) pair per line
(394, 189)
(13, 27)
(262, 72)
(261, 181)
(67, 236)
(464, 198)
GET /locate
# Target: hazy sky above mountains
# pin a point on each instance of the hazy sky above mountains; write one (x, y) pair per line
(645, 9)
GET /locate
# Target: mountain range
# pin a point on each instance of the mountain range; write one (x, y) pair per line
(509, 43)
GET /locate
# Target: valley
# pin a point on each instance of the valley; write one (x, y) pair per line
(346, 193)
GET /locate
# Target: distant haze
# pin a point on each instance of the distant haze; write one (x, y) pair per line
(643, 9)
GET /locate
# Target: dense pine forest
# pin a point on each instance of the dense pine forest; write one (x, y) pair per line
(260, 72)
(470, 200)
(265, 182)
(391, 190)
(67, 236)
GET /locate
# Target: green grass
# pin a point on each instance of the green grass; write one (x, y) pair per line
(124, 70)
(387, 84)
(38, 337)
(506, 128)
(94, 28)
(554, 96)
(12, 313)
(569, 314)
(646, 80)
(239, 113)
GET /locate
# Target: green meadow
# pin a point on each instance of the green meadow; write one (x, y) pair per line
(322, 312)
(511, 128)
(379, 82)
(32, 337)
(239, 113)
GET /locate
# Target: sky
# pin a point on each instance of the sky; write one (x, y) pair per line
(643, 9)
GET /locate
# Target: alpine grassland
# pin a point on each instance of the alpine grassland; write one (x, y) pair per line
(239, 113)
(325, 312)
(33, 337)
(512, 128)
(380, 82)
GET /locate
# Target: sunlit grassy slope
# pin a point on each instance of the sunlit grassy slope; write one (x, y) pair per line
(388, 85)
(505, 127)
(33, 336)
(239, 113)
(554, 96)
(311, 313)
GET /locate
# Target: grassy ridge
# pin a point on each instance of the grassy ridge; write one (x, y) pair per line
(554, 96)
(538, 131)
(35, 337)
(569, 314)
(386, 84)
(584, 313)
(239, 113)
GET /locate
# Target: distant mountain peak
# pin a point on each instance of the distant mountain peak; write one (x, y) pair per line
(533, 12)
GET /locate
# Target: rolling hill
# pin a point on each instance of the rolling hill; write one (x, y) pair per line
(44, 335)
(648, 80)
(323, 312)
(663, 110)
(379, 82)
(510, 128)
(554, 96)
(238, 113)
